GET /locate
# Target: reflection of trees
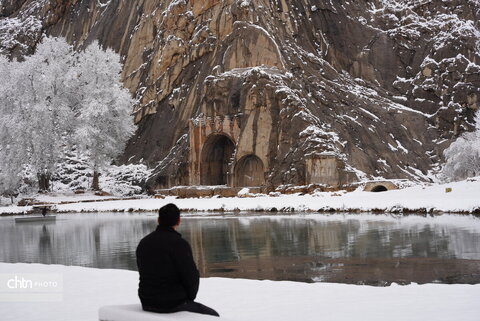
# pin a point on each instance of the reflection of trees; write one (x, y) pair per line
(104, 240)
(47, 254)
(119, 240)
(214, 240)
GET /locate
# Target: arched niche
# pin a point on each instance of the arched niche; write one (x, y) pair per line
(379, 188)
(216, 154)
(249, 172)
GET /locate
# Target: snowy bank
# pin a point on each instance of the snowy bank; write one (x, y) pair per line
(85, 290)
(463, 198)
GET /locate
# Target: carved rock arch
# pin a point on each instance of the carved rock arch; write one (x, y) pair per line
(216, 154)
(249, 171)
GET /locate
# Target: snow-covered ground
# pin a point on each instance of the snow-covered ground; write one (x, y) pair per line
(85, 290)
(71, 197)
(463, 198)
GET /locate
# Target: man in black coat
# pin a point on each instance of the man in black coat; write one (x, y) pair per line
(169, 278)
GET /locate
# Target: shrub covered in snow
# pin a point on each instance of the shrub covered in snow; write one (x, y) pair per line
(463, 155)
(124, 180)
(76, 173)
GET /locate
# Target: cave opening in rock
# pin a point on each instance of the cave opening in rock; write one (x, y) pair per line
(216, 154)
(379, 188)
(249, 171)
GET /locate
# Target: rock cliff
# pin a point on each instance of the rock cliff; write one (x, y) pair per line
(248, 92)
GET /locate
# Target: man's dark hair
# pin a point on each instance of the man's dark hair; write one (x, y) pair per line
(168, 215)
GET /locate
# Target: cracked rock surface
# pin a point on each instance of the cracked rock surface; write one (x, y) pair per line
(384, 85)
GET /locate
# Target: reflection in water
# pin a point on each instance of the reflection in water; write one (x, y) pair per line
(45, 244)
(351, 248)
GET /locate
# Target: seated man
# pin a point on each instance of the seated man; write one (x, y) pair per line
(169, 278)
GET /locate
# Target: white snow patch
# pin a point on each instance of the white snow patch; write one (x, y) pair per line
(462, 198)
(85, 290)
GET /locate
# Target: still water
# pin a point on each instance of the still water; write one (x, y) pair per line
(361, 249)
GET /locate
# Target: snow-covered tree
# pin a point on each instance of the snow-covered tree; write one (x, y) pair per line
(10, 172)
(36, 111)
(57, 99)
(463, 155)
(104, 122)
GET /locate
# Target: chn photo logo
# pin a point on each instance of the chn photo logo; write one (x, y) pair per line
(19, 283)
(31, 287)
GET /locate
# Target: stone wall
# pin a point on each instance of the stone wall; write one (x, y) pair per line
(323, 170)
(328, 170)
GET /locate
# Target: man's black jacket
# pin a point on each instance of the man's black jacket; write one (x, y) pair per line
(168, 274)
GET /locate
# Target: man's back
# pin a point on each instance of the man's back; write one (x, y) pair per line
(168, 274)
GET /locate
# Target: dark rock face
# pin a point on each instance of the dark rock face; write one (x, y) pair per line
(381, 86)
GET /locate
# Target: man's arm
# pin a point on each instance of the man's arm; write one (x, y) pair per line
(187, 270)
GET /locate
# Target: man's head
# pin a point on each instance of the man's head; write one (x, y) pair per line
(169, 215)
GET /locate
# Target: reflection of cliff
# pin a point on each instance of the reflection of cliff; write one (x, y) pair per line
(371, 252)
(463, 245)
(270, 248)
(232, 240)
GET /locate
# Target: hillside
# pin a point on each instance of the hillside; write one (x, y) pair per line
(257, 92)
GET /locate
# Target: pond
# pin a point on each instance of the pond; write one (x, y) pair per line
(359, 249)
